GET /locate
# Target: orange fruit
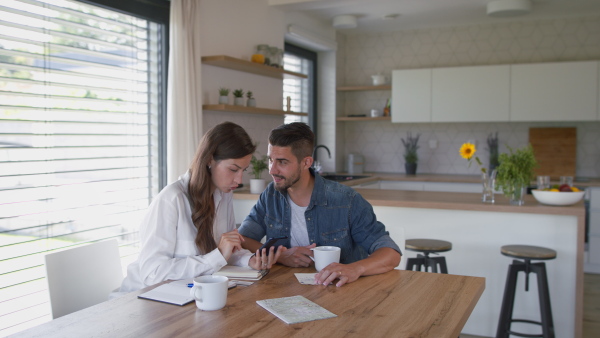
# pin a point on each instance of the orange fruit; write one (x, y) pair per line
(575, 189)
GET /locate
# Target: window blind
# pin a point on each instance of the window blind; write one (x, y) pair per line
(80, 143)
(299, 90)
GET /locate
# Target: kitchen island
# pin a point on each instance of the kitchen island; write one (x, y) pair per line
(477, 231)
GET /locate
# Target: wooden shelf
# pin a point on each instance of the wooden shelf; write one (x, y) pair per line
(249, 110)
(366, 118)
(357, 88)
(229, 62)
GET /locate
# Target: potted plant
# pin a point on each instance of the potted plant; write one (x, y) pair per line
(238, 97)
(258, 165)
(410, 153)
(251, 100)
(492, 142)
(223, 95)
(515, 172)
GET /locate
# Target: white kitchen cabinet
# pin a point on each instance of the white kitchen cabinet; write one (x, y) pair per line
(471, 94)
(558, 91)
(411, 95)
(593, 259)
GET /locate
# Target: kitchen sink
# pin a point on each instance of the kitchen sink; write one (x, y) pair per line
(341, 178)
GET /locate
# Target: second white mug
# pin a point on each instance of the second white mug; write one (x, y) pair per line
(325, 255)
(210, 292)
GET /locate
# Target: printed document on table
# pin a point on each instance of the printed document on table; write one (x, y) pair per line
(296, 309)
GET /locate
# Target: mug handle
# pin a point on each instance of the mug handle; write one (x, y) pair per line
(311, 257)
(194, 293)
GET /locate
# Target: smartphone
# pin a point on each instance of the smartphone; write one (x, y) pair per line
(274, 241)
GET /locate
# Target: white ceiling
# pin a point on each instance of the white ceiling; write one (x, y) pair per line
(419, 14)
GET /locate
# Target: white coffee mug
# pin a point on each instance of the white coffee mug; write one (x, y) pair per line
(325, 255)
(210, 292)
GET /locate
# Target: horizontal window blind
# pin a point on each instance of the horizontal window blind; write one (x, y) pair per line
(299, 90)
(80, 106)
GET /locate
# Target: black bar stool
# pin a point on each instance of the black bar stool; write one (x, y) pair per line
(427, 246)
(526, 253)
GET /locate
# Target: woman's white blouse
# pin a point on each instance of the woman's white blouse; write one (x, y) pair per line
(167, 236)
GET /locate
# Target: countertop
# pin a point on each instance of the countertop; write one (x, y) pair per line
(446, 200)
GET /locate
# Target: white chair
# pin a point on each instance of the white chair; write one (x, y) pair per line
(82, 276)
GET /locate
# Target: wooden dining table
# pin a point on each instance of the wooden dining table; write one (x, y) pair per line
(398, 303)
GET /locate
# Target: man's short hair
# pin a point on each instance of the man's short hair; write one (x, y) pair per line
(297, 136)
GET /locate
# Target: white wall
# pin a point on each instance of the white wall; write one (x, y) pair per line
(234, 28)
(360, 56)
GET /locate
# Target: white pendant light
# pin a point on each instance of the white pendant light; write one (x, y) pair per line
(508, 8)
(345, 21)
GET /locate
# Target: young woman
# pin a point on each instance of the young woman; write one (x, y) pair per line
(189, 229)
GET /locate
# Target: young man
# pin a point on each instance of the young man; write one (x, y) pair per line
(312, 211)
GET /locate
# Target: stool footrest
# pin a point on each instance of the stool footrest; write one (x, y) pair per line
(525, 334)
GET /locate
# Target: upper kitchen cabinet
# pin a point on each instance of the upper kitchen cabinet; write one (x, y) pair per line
(565, 91)
(411, 95)
(471, 94)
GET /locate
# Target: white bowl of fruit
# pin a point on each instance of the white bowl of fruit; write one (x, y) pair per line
(558, 195)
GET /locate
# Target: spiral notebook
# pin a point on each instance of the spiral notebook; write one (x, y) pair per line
(176, 293)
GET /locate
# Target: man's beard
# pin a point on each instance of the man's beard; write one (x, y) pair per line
(287, 181)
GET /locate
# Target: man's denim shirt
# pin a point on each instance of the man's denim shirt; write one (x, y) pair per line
(337, 215)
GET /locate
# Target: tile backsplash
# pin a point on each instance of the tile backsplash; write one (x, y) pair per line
(361, 56)
(381, 145)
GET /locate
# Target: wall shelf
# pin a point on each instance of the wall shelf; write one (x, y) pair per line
(365, 118)
(357, 88)
(229, 62)
(249, 110)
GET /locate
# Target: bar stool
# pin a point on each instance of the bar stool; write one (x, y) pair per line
(526, 253)
(427, 246)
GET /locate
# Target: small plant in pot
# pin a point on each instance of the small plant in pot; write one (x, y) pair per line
(223, 95)
(410, 153)
(251, 100)
(258, 165)
(238, 97)
(515, 172)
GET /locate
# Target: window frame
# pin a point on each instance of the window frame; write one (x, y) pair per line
(312, 56)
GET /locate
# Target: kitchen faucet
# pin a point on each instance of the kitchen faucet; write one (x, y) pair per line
(314, 154)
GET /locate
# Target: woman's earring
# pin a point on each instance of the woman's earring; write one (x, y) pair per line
(209, 168)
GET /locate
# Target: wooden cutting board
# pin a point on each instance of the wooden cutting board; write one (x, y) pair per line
(555, 150)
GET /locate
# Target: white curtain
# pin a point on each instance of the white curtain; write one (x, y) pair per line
(184, 102)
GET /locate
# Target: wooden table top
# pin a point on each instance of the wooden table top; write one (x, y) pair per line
(395, 304)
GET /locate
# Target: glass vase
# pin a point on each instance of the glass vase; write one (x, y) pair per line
(489, 184)
(517, 196)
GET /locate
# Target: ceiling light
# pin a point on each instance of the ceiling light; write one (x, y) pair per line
(345, 21)
(507, 8)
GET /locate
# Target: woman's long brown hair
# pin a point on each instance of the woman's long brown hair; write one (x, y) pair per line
(224, 141)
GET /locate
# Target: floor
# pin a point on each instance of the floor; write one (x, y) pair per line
(591, 308)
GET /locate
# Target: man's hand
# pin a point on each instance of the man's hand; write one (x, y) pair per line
(345, 273)
(298, 256)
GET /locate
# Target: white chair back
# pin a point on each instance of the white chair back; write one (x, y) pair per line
(82, 276)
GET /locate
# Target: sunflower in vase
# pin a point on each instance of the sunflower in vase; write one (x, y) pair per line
(467, 150)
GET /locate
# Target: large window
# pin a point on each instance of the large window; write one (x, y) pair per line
(302, 92)
(82, 93)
